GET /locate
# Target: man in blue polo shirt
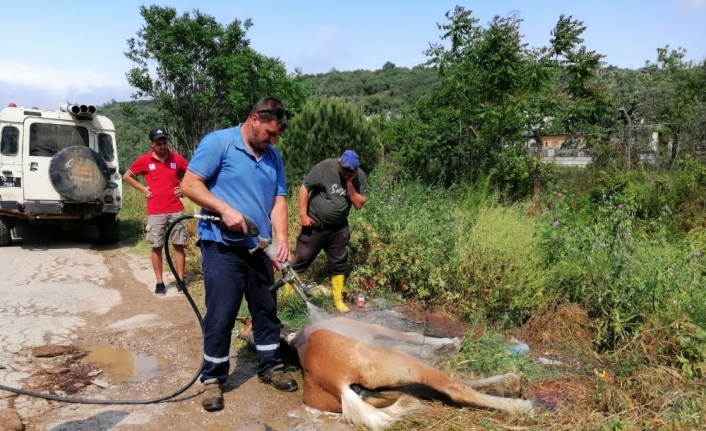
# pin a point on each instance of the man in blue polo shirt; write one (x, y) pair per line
(234, 173)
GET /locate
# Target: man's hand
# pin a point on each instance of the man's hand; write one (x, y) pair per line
(283, 252)
(178, 193)
(148, 193)
(234, 221)
(350, 176)
(357, 200)
(306, 221)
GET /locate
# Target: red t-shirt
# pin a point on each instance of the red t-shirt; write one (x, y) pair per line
(161, 178)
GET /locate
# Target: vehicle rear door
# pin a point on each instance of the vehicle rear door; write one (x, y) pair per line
(44, 138)
(10, 162)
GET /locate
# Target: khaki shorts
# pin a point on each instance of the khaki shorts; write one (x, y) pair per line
(157, 226)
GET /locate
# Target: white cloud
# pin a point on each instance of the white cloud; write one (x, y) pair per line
(52, 79)
(46, 87)
(693, 4)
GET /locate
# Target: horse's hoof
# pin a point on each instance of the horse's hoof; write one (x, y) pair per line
(445, 349)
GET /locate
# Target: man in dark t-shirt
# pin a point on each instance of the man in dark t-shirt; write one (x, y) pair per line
(325, 199)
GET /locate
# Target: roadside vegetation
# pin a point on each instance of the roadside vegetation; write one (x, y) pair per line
(599, 269)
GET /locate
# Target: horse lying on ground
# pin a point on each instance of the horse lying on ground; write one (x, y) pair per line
(368, 373)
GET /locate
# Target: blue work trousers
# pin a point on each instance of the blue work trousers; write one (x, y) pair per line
(229, 274)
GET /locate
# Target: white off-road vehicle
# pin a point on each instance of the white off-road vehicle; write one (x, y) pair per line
(59, 166)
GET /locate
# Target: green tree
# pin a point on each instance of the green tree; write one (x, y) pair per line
(472, 121)
(627, 87)
(457, 95)
(203, 75)
(676, 93)
(564, 92)
(492, 90)
(325, 128)
(667, 96)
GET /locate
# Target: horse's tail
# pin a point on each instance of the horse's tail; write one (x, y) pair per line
(358, 412)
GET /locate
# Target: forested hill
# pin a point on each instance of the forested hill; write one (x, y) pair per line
(388, 89)
(376, 91)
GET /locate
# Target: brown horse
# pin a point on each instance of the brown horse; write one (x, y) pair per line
(368, 373)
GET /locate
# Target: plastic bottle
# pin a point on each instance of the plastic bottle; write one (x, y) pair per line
(360, 301)
(518, 349)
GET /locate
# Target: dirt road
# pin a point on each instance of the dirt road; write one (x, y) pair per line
(122, 343)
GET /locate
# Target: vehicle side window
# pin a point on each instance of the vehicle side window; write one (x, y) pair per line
(45, 140)
(105, 146)
(9, 142)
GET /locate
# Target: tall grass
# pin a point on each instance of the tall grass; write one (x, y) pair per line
(503, 270)
(457, 246)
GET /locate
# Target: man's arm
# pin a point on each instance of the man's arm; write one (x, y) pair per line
(194, 187)
(303, 200)
(280, 227)
(182, 166)
(130, 179)
(356, 198)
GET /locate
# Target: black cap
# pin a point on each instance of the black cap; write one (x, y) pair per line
(157, 132)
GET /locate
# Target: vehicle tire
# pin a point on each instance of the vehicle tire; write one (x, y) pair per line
(79, 174)
(5, 232)
(108, 228)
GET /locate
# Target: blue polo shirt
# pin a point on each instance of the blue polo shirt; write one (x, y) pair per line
(233, 174)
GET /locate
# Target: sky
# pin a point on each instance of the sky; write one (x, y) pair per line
(54, 52)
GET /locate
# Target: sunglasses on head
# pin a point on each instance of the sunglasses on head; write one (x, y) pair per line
(279, 113)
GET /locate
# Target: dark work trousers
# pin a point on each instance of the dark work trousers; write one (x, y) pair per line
(333, 240)
(229, 274)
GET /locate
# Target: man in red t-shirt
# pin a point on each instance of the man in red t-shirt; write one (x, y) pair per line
(163, 171)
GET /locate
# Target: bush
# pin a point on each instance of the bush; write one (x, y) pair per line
(502, 263)
(403, 240)
(620, 268)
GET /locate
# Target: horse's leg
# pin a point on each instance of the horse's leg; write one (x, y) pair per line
(414, 338)
(395, 368)
(367, 331)
(383, 336)
(504, 385)
(415, 344)
(424, 351)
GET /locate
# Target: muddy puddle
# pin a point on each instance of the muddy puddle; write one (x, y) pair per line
(122, 365)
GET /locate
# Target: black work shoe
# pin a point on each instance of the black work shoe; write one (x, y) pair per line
(212, 397)
(279, 380)
(160, 289)
(181, 286)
